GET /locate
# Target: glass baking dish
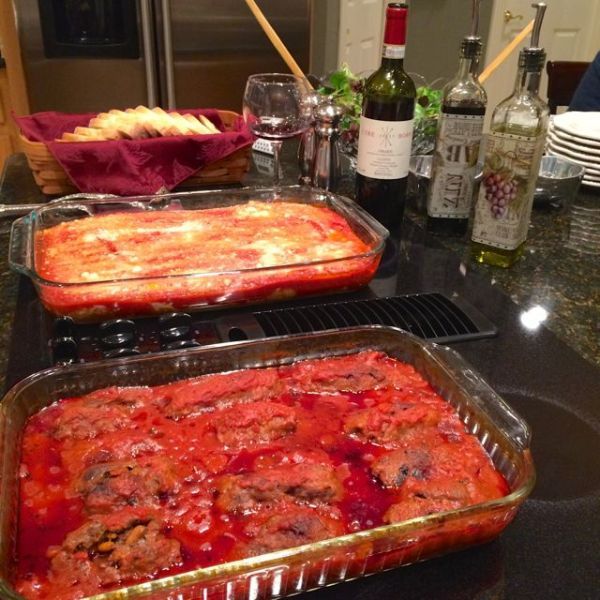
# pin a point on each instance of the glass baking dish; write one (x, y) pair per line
(136, 294)
(502, 433)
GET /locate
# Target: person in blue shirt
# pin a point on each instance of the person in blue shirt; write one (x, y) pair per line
(587, 94)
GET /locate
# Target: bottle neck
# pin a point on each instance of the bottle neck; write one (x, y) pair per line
(474, 68)
(394, 52)
(465, 66)
(392, 63)
(527, 82)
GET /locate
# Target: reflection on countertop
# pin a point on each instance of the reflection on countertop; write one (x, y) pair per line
(556, 287)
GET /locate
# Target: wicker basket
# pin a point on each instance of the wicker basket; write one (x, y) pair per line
(53, 180)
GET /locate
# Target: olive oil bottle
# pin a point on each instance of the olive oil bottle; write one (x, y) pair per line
(513, 153)
(458, 138)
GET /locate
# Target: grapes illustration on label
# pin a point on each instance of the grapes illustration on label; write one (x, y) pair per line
(504, 187)
(500, 191)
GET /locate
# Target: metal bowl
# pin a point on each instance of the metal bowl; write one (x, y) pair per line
(557, 182)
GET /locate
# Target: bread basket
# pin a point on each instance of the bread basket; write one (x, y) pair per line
(53, 180)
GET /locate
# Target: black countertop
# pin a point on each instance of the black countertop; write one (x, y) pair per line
(551, 550)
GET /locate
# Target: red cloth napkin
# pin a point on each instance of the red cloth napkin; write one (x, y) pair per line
(131, 167)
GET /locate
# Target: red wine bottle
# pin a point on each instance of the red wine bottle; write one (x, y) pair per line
(386, 127)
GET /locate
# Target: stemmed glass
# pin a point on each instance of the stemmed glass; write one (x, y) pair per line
(275, 109)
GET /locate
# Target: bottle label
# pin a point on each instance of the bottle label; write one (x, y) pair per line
(503, 207)
(393, 51)
(384, 148)
(454, 166)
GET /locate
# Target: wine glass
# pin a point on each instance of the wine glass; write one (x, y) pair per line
(275, 109)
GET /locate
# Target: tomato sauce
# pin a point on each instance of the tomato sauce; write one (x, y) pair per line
(140, 483)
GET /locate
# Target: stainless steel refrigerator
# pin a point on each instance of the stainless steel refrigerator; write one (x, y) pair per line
(93, 55)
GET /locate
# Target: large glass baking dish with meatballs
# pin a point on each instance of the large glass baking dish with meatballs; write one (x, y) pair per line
(93, 258)
(292, 518)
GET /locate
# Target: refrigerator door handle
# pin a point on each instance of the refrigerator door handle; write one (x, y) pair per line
(149, 52)
(168, 52)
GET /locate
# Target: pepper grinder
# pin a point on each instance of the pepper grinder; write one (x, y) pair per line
(308, 140)
(327, 169)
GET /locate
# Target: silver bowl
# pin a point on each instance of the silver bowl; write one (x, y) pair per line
(558, 181)
(419, 174)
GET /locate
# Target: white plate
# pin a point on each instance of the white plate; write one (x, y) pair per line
(563, 135)
(581, 124)
(593, 184)
(594, 167)
(573, 146)
(592, 162)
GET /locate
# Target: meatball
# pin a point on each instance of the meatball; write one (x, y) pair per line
(418, 507)
(426, 497)
(393, 468)
(389, 422)
(292, 526)
(126, 398)
(108, 486)
(341, 374)
(102, 411)
(84, 422)
(352, 373)
(302, 483)
(106, 550)
(253, 424)
(219, 390)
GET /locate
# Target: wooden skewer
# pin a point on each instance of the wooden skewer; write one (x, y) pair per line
(293, 66)
(498, 60)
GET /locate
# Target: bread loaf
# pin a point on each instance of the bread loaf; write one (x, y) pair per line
(138, 123)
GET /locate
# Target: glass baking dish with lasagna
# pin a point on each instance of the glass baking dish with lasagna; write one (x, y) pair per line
(256, 469)
(96, 258)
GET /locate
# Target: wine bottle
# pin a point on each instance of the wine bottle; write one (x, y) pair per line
(386, 127)
(513, 153)
(458, 138)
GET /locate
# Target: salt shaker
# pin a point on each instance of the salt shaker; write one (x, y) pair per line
(327, 168)
(308, 141)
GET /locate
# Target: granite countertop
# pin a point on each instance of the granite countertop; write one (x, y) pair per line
(566, 283)
(563, 281)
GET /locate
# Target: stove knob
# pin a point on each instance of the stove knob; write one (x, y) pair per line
(121, 352)
(180, 344)
(117, 333)
(64, 350)
(63, 327)
(174, 326)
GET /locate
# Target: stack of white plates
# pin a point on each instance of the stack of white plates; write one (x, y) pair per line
(576, 137)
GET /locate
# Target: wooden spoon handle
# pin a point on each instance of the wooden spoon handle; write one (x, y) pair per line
(293, 66)
(502, 56)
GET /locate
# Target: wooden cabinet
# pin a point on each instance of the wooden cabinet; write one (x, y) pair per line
(8, 140)
(13, 96)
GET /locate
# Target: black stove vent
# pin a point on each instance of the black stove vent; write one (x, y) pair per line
(432, 316)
